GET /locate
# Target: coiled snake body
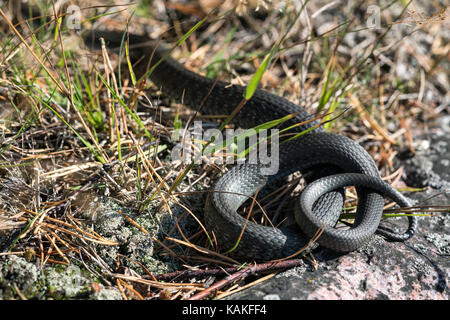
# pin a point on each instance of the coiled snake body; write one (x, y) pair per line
(319, 153)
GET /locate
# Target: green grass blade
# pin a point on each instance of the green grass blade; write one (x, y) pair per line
(254, 82)
(124, 105)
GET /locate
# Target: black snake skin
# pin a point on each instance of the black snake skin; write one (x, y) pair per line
(315, 153)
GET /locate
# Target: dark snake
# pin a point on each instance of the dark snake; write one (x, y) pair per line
(328, 160)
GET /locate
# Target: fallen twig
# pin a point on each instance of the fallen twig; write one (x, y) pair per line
(245, 272)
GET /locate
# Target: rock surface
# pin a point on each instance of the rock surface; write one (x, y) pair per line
(17, 275)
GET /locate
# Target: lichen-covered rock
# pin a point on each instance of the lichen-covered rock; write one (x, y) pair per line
(17, 275)
(133, 243)
(67, 282)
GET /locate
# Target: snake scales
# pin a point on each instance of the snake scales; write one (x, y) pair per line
(342, 161)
